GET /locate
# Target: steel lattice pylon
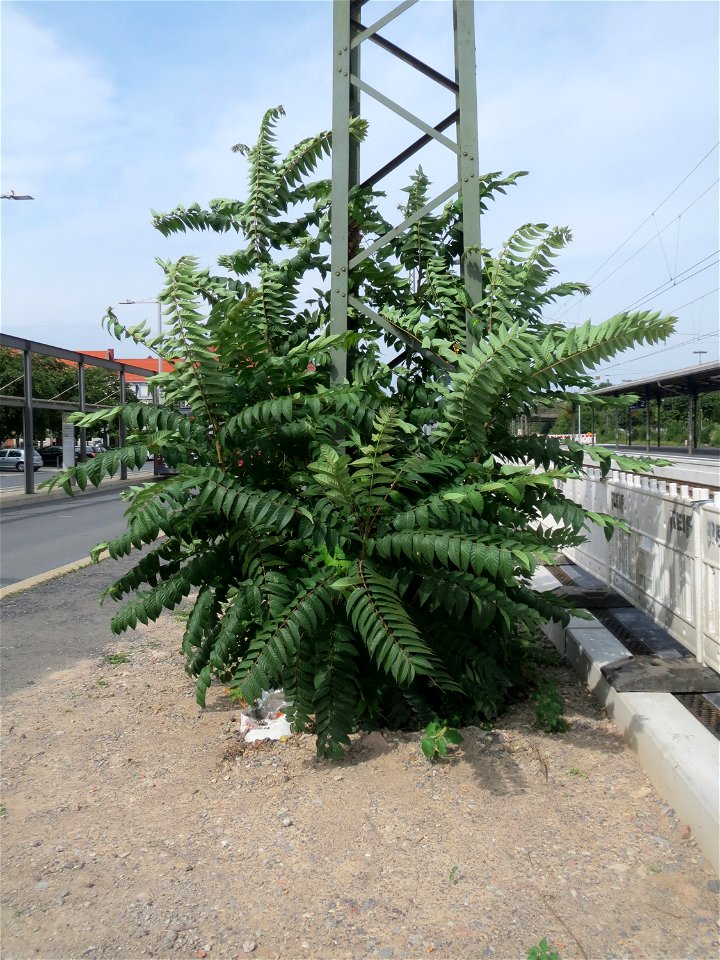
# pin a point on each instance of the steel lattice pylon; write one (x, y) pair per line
(349, 33)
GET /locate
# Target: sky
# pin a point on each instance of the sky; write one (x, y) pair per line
(113, 109)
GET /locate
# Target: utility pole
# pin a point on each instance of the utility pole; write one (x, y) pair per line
(347, 252)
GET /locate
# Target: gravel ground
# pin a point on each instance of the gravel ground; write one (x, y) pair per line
(134, 825)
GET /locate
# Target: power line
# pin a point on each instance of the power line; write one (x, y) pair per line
(688, 339)
(562, 311)
(674, 282)
(696, 300)
(650, 216)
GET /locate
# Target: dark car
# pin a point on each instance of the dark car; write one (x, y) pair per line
(90, 453)
(51, 456)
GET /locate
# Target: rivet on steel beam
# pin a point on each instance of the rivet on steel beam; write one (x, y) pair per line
(465, 180)
(337, 273)
(344, 269)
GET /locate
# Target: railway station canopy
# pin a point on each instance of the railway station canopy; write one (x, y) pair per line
(690, 381)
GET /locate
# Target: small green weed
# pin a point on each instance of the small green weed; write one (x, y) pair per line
(577, 772)
(437, 738)
(119, 657)
(454, 874)
(101, 682)
(549, 708)
(543, 951)
(3, 811)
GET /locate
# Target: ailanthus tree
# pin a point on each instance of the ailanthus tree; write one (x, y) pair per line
(367, 545)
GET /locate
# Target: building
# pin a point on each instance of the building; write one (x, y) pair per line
(134, 381)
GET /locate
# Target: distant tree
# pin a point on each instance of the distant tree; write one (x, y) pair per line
(52, 380)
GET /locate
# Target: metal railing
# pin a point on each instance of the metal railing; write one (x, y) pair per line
(29, 403)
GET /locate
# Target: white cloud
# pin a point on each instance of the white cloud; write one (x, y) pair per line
(56, 106)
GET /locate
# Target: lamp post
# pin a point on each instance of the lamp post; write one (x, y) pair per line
(700, 354)
(156, 457)
(159, 319)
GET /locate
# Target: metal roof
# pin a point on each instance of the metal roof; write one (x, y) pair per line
(701, 378)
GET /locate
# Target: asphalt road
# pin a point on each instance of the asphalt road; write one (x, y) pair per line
(57, 624)
(45, 534)
(12, 481)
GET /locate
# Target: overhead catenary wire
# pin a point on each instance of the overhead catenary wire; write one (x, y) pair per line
(695, 300)
(566, 308)
(674, 281)
(658, 207)
(689, 338)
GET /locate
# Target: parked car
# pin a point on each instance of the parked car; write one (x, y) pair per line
(51, 456)
(90, 453)
(14, 459)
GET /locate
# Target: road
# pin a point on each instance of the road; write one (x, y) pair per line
(12, 481)
(44, 533)
(56, 624)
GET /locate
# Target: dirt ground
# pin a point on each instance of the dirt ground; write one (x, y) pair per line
(134, 825)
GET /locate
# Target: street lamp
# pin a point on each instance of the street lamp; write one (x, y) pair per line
(700, 352)
(159, 319)
(156, 458)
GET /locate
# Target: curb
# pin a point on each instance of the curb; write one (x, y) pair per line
(40, 578)
(27, 499)
(679, 756)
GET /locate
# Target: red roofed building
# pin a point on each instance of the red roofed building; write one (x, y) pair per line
(138, 383)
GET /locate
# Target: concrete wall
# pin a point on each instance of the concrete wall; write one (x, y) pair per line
(669, 562)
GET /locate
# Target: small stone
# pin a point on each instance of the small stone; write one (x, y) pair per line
(287, 822)
(714, 886)
(248, 946)
(201, 953)
(41, 885)
(376, 742)
(685, 832)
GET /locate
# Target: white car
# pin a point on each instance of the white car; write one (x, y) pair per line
(14, 459)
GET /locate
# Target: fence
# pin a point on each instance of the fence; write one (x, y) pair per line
(668, 564)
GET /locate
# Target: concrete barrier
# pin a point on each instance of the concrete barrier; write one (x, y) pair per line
(668, 564)
(680, 757)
